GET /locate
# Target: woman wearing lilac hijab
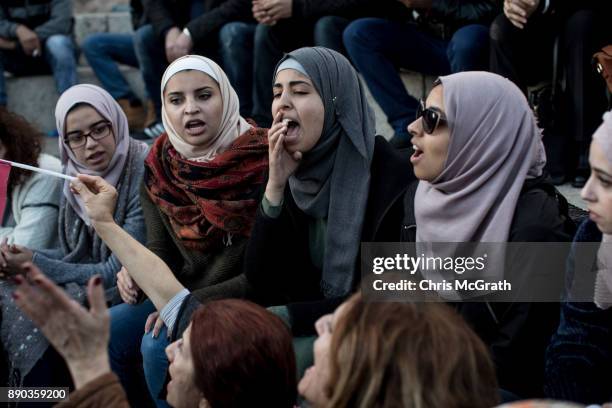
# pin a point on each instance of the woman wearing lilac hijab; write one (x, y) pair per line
(480, 161)
(94, 139)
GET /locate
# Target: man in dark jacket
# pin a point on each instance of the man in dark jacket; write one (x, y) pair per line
(289, 24)
(439, 38)
(35, 36)
(181, 27)
(522, 41)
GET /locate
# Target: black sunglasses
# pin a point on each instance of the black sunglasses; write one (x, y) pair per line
(431, 117)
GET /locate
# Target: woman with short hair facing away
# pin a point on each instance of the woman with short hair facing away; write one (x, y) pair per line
(393, 354)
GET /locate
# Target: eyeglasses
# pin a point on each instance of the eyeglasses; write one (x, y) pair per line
(98, 131)
(432, 118)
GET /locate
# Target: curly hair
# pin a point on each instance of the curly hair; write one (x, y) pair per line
(22, 142)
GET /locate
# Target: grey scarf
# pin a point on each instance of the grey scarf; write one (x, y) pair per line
(23, 343)
(333, 179)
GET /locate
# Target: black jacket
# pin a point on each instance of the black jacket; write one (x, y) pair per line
(165, 14)
(277, 259)
(517, 333)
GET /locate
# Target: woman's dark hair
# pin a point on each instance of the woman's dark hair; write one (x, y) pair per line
(242, 356)
(22, 142)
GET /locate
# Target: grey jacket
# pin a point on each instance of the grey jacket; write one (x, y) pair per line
(45, 17)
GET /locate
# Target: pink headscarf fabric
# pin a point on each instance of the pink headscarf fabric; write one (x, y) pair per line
(603, 283)
(495, 145)
(106, 106)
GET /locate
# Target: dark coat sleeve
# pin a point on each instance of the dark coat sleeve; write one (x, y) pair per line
(277, 261)
(212, 20)
(461, 12)
(160, 16)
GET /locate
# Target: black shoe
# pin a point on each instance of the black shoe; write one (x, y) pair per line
(151, 132)
(400, 141)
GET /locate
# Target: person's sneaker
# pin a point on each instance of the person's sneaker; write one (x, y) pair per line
(134, 111)
(153, 131)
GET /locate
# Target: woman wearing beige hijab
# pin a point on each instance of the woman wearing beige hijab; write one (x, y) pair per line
(203, 181)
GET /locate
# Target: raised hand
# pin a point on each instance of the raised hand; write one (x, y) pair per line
(282, 163)
(79, 335)
(98, 196)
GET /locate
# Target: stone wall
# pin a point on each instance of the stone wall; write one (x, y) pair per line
(94, 6)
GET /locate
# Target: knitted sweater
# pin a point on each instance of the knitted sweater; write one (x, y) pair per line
(30, 218)
(81, 255)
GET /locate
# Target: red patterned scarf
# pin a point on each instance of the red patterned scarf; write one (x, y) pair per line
(207, 201)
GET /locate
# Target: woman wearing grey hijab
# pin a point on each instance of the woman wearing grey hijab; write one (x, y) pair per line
(332, 184)
(479, 158)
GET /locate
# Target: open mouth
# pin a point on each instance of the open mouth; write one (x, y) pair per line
(293, 129)
(95, 157)
(195, 127)
(418, 153)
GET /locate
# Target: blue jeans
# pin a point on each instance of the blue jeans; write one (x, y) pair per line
(378, 47)
(130, 350)
(59, 56)
(152, 61)
(236, 50)
(103, 51)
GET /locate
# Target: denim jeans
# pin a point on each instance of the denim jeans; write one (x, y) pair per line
(378, 47)
(103, 51)
(270, 44)
(236, 50)
(59, 57)
(130, 349)
(151, 56)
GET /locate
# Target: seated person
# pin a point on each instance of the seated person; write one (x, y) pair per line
(481, 179)
(94, 140)
(203, 181)
(579, 356)
(104, 51)
(32, 205)
(233, 353)
(398, 354)
(36, 39)
(180, 27)
(286, 25)
(378, 47)
(522, 43)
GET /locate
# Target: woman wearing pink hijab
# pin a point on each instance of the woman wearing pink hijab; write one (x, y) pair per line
(480, 161)
(94, 139)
